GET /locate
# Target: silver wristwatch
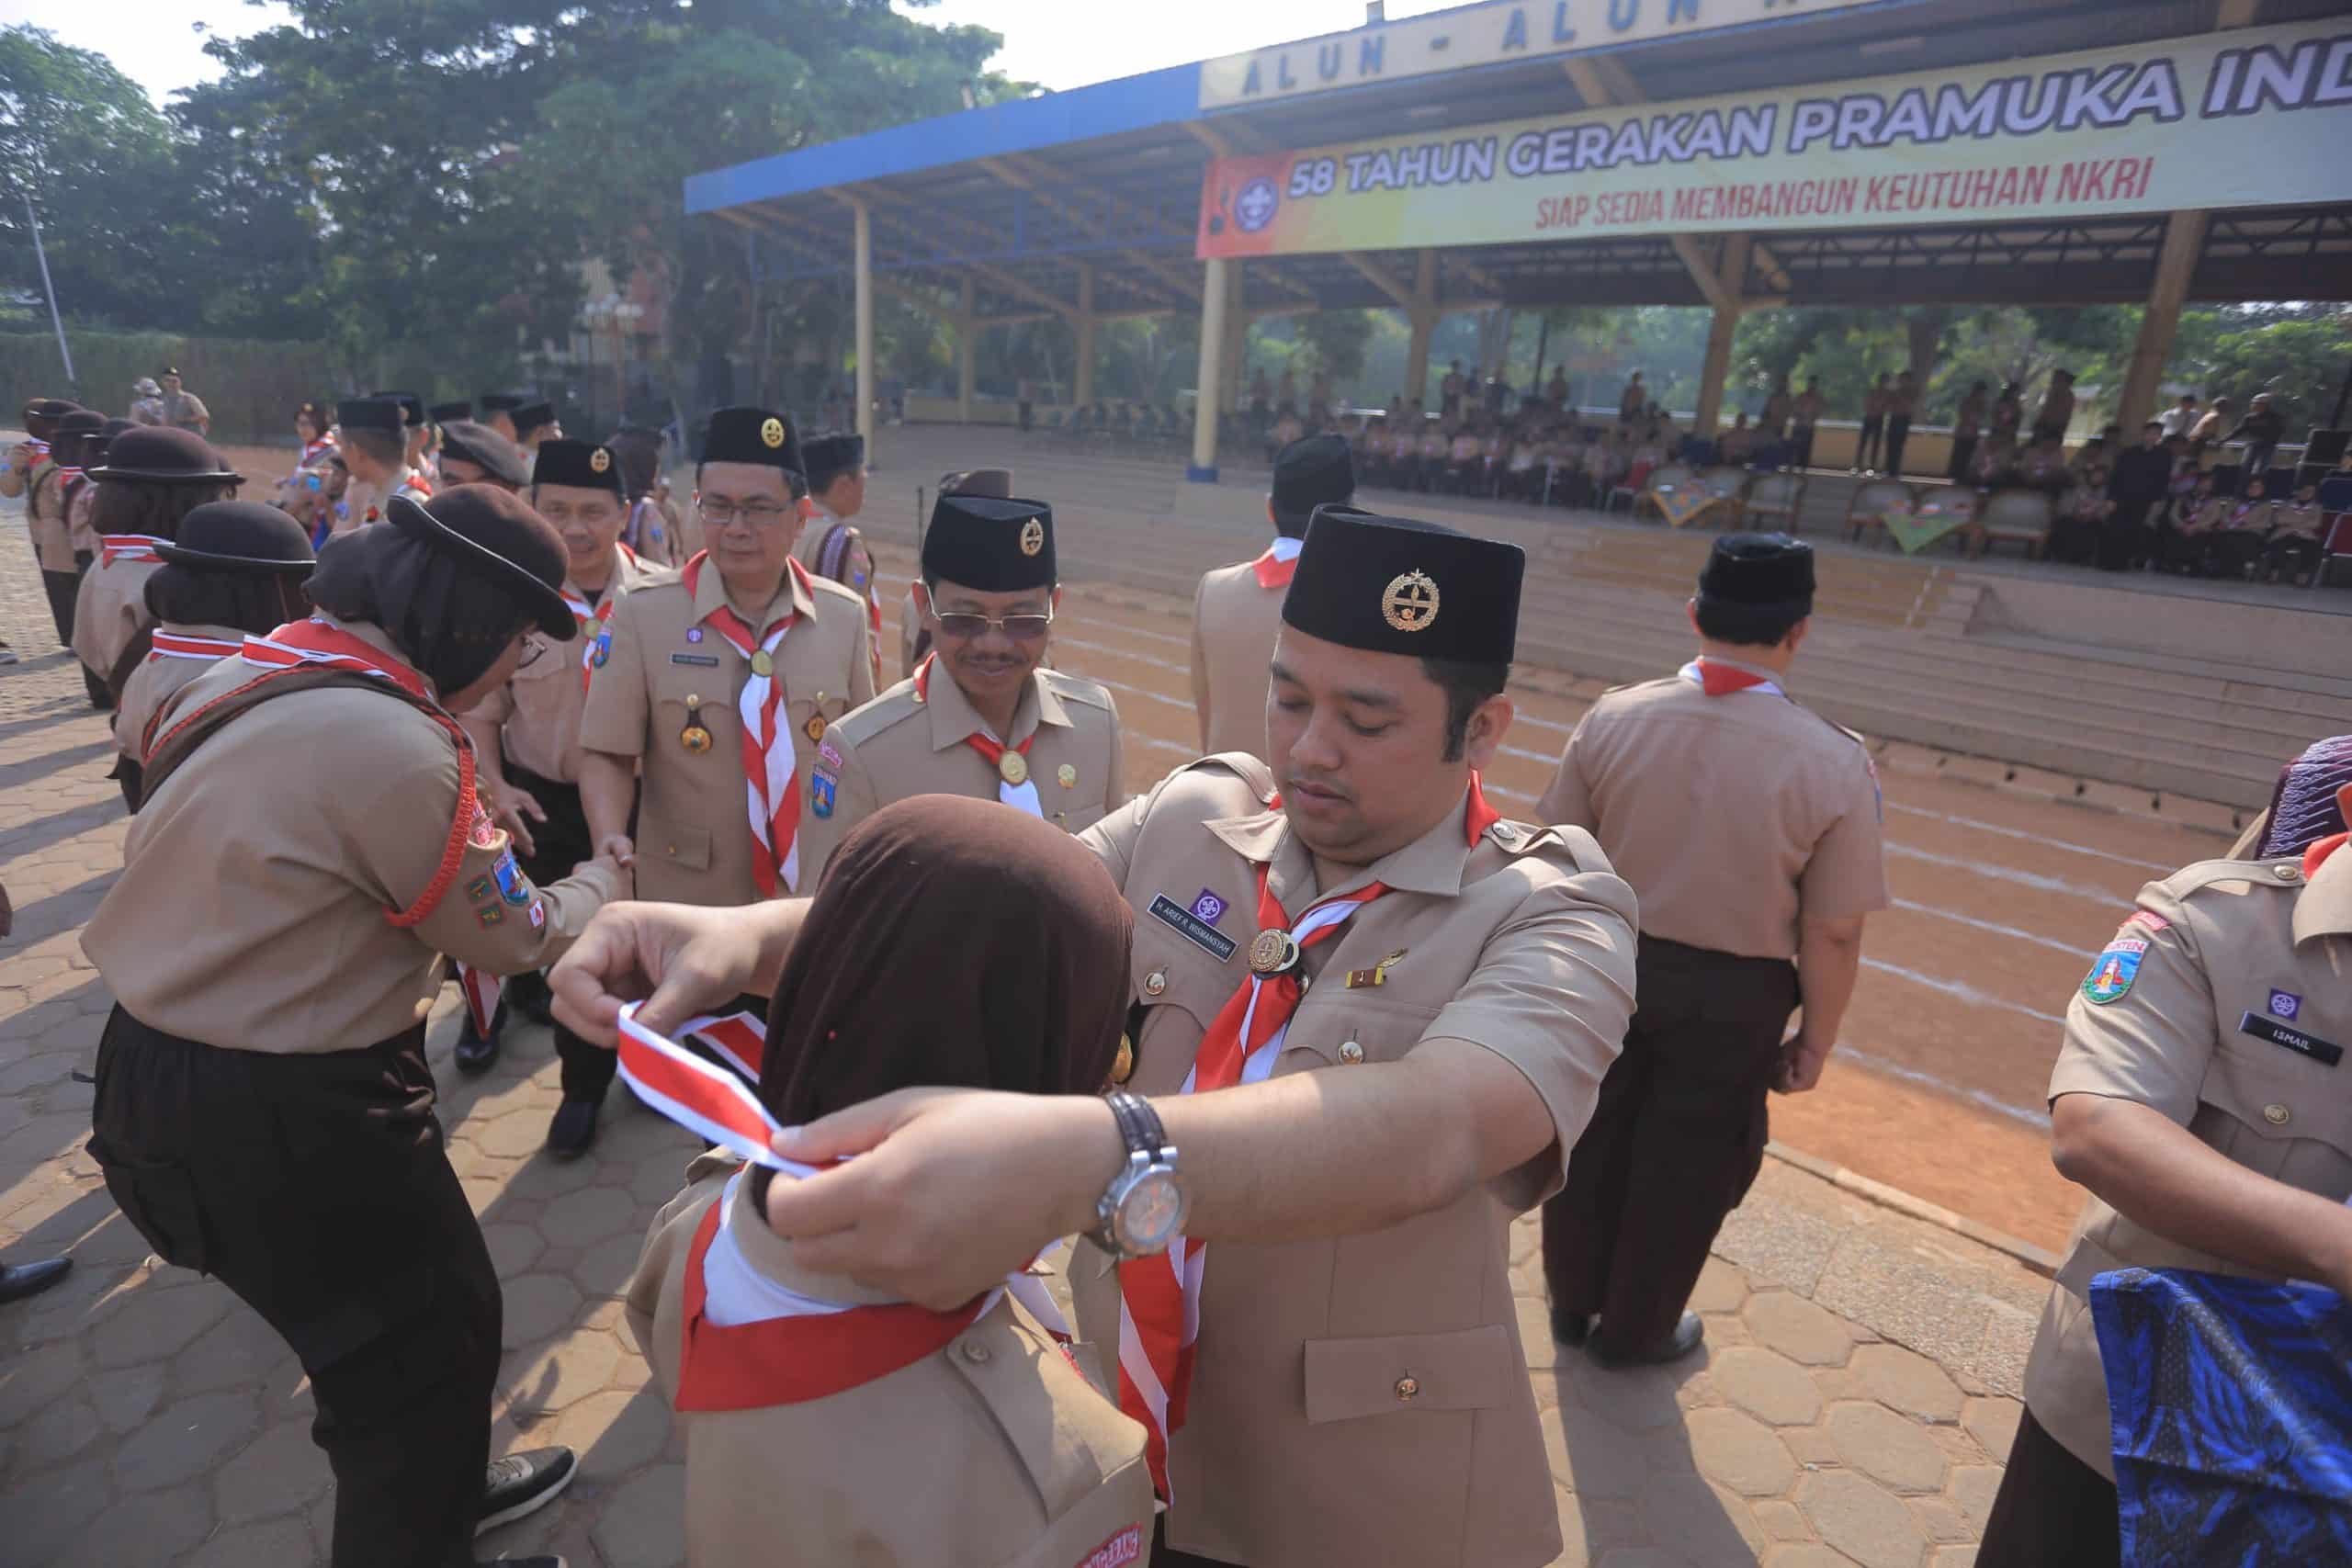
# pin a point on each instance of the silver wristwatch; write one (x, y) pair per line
(1144, 1207)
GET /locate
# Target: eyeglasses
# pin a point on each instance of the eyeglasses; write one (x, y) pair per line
(756, 513)
(1020, 628)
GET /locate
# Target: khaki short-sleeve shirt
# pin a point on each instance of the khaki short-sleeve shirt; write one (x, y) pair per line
(1298, 1448)
(1732, 817)
(154, 683)
(538, 712)
(907, 742)
(109, 609)
(45, 518)
(994, 1451)
(666, 669)
(1235, 623)
(2216, 1004)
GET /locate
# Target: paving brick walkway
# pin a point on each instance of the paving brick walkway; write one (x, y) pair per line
(1853, 1405)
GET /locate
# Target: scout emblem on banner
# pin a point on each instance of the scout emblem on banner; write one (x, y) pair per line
(1918, 525)
(1679, 504)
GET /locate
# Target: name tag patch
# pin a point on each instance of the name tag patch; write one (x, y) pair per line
(1192, 928)
(2264, 1027)
(701, 661)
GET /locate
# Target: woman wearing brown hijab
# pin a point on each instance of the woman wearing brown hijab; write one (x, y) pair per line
(952, 943)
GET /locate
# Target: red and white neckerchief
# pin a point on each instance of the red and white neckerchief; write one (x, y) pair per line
(313, 641)
(770, 794)
(313, 450)
(37, 446)
(591, 617)
(1722, 680)
(1159, 1298)
(749, 1342)
(418, 484)
(1022, 796)
(136, 547)
(179, 645)
(1281, 559)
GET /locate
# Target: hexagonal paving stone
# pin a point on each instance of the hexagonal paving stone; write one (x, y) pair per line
(1740, 1451)
(1890, 1449)
(1941, 1520)
(588, 1216)
(46, 1511)
(1638, 1399)
(156, 1526)
(537, 1306)
(615, 1432)
(1781, 1521)
(1993, 1423)
(157, 1322)
(277, 1473)
(1812, 1554)
(513, 1248)
(1704, 1524)
(1788, 1323)
(35, 1378)
(63, 1428)
(605, 1270)
(239, 1349)
(123, 1398)
(563, 1371)
(1589, 1456)
(185, 1439)
(515, 1135)
(1862, 1519)
(248, 1546)
(1722, 1287)
(644, 1525)
(1767, 1384)
(1907, 1380)
(1535, 1333)
(1973, 1486)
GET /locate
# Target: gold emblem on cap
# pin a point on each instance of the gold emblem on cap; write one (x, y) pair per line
(772, 432)
(1032, 536)
(1068, 774)
(599, 460)
(1273, 953)
(1410, 603)
(1013, 769)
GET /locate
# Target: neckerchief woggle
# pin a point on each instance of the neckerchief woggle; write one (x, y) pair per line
(749, 1342)
(1159, 1298)
(1022, 796)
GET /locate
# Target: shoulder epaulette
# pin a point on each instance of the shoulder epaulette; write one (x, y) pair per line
(1076, 688)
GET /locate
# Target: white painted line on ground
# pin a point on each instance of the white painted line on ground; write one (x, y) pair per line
(1960, 989)
(2072, 950)
(1878, 1064)
(2006, 873)
(2032, 838)
(1183, 642)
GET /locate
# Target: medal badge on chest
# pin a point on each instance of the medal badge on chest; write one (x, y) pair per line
(1274, 952)
(695, 738)
(1013, 769)
(815, 728)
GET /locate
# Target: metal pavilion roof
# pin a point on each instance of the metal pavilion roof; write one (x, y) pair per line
(1089, 198)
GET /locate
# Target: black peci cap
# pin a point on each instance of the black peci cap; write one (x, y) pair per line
(501, 402)
(381, 414)
(1314, 471)
(531, 416)
(493, 529)
(588, 464)
(242, 538)
(755, 435)
(487, 450)
(155, 454)
(412, 406)
(1397, 585)
(995, 547)
(1759, 571)
(449, 413)
(829, 457)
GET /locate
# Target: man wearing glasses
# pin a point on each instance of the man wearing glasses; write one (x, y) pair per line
(718, 683)
(980, 716)
(527, 747)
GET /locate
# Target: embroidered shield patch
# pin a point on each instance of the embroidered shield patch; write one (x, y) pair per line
(2114, 970)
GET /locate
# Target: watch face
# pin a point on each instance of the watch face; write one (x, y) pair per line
(1151, 1213)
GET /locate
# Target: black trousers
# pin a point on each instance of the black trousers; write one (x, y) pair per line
(1898, 431)
(1963, 452)
(317, 1189)
(2053, 1510)
(2125, 540)
(1676, 1138)
(1866, 449)
(62, 588)
(558, 844)
(1800, 447)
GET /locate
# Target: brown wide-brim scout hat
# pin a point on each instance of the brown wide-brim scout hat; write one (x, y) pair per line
(242, 538)
(497, 532)
(157, 453)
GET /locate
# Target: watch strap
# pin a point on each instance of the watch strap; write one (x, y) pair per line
(1140, 1124)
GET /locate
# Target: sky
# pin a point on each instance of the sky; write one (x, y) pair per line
(1061, 44)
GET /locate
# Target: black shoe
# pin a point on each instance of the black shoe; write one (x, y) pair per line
(18, 1280)
(1571, 1327)
(574, 1129)
(475, 1054)
(528, 994)
(1687, 1337)
(520, 1485)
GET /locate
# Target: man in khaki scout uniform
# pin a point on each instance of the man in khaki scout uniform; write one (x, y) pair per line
(372, 437)
(184, 410)
(526, 741)
(235, 569)
(34, 471)
(416, 432)
(153, 477)
(830, 545)
(1342, 1176)
(980, 717)
(2198, 1089)
(915, 639)
(264, 1109)
(498, 410)
(1237, 611)
(1749, 827)
(741, 624)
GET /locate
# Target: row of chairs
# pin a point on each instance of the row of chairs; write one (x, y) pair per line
(2026, 518)
(1120, 425)
(1728, 496)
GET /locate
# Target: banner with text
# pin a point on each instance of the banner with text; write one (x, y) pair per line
(2255, 118)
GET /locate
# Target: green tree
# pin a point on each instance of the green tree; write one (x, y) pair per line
(2299, 354)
